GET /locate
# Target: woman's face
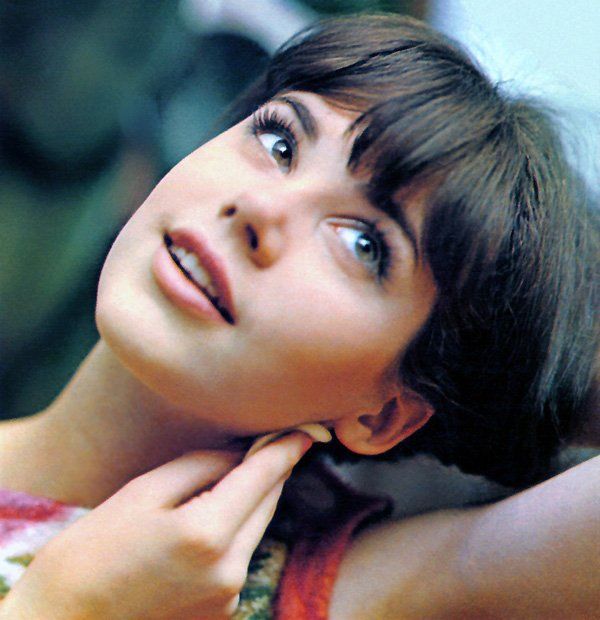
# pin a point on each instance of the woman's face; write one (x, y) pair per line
(315, 292)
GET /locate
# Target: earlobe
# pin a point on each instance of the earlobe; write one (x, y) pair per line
(372, 434)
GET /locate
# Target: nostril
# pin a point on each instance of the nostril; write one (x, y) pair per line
(252, 237)
(229, 211)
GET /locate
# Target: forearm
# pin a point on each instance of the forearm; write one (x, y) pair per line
(403, 570)
(536, 554)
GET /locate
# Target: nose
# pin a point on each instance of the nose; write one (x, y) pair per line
(259, 221)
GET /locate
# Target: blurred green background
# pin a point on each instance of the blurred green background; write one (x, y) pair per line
(98, 99)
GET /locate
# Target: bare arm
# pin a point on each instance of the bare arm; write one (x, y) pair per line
(534, 555)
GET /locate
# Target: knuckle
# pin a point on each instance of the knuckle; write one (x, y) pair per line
(230, 582)
(213, 547)
(289, 454)
(201, 540)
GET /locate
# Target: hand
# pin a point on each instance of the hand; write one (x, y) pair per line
(163, 546)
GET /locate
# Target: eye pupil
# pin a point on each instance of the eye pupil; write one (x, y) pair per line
(282, 152)
(366, 247)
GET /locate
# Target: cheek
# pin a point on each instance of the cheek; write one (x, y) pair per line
(322, 356)
(330, 347)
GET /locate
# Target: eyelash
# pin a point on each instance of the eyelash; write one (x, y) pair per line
(268, 120)
(387, 258)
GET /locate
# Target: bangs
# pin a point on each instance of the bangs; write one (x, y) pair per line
(416, 139)
(510, 244)
(427, 116)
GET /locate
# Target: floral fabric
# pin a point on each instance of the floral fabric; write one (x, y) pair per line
(286, 580)
(27, 523)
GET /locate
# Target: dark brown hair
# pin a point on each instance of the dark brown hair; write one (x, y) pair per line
(506, 357)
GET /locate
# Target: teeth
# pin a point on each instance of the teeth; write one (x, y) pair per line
(189, 262)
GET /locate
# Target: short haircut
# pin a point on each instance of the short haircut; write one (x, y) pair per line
(507, 355)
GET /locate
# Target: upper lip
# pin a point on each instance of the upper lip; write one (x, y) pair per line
(194, 242)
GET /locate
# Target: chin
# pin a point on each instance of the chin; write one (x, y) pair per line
(146, 351)
(129, 330)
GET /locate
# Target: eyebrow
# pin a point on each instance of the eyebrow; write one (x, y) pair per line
(307, 120)
(388, 205)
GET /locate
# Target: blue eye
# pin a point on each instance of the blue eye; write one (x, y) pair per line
(368, 246)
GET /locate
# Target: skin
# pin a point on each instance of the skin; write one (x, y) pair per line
(533, 555)
(163, 382)
(329, 354)
(163, 528)
(149, 392)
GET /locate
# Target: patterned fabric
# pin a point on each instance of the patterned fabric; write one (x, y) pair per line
(27, 523)
(317, 515)
(285, 581)
(264, 573)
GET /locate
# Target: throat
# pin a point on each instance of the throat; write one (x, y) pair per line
(103, 430)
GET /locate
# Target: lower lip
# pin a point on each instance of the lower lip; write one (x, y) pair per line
(180, 290)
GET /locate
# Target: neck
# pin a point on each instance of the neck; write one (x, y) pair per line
(104, 429)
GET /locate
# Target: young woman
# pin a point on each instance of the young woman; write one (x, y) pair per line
(382, 242)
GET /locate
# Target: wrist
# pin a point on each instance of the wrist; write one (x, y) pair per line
(45, 597)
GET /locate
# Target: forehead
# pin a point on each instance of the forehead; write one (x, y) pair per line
(320, 117)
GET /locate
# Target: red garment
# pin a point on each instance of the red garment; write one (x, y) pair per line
(307, 583)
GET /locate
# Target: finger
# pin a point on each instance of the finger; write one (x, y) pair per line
(318, 432)
(231, 502)
(252, 531)
(176, 481)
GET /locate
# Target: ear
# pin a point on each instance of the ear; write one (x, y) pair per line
(376, 433)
